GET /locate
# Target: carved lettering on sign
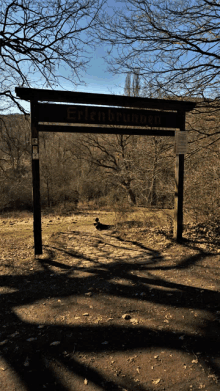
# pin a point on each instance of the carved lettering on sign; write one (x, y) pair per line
(107, 116)
(143, 119)
(111, 116)
(71, 114)
(157, 120)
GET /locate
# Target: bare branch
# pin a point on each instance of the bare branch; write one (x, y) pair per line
(38, 39)
(173, 44)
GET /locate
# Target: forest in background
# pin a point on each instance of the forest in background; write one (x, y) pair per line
(111, 171)
(173, 51)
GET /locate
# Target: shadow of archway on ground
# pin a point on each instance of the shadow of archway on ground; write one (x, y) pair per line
(62, 325)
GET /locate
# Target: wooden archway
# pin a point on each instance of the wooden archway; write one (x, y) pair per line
(105, 114)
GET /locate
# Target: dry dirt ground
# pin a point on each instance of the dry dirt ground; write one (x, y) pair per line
(122, 309)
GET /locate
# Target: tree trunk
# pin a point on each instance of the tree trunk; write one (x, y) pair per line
(48, 193)
(132, 196)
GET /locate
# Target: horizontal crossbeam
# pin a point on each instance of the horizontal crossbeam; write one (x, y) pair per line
(35, 94)
(105, 130)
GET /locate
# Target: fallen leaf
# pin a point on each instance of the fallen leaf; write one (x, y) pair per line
(156, 381)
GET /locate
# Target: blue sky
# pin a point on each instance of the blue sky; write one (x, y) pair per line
(97, 79)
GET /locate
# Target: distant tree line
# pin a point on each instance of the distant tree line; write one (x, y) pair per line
(166, 49)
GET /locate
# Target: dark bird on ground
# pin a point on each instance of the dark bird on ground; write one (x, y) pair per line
(100, 226)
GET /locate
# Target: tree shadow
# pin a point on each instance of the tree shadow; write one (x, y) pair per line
(39, 354)
(187, 262)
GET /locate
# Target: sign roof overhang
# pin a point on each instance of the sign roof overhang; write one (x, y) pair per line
(34, 94)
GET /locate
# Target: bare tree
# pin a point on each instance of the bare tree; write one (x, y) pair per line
(38, 39)
(132, 85)
(114, 155)
(127, 87)
(58, 169)
(15, 174)
(14, 144)
(174, 44)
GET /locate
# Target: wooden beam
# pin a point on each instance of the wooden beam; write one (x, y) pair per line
(178, 201)
(102, 99)
(36, 181)
(106, 130)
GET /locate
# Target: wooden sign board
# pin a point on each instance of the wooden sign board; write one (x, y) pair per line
(106, 116)
(181, 143)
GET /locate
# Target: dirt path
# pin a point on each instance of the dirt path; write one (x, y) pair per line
(108, 310)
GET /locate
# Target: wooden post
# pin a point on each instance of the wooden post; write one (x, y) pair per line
(36, 180)
(179, 179)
